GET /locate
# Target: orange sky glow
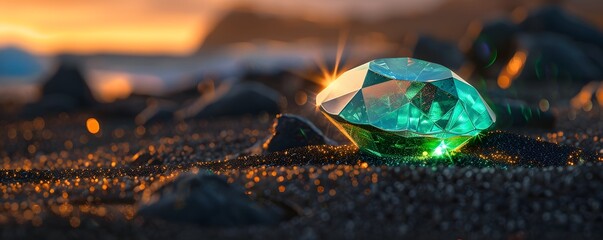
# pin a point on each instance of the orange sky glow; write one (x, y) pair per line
(146, 26)
(177, 27)
(84, 26)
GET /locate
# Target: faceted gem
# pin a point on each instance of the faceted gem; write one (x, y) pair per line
(405, 107)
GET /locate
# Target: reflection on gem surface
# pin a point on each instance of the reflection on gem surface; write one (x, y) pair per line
(405, 107)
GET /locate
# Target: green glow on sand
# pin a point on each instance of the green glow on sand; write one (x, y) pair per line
(440, 149)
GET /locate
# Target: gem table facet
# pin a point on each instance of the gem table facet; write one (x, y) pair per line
(400, 107)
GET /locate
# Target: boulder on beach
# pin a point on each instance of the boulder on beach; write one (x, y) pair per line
(236, 100)
(48, 105)
(554, 19)
(291, 131)
(493, 47)
(558, 48)
(69, 81)
(280, 79)
(207, 200)
(126, 108)
(64, 91)
(553, 58)
(438, 51)
(156, 111)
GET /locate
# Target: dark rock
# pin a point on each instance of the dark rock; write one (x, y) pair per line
(69, 81)
(438, 51)
(49, 104)
(238, 100)
(559, 46)
(512, 113)
(594, 54)
(554, 19)
(494, 46)
(157, 111)
(291, 131)
(208, 200)
(552, 58)
(126, 108)
(281, 80)
(65, 91)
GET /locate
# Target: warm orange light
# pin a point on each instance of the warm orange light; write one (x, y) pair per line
(600, 95)
(364, 165)
(93, 125)
(511, 70)
(503, 81)
(516, 63)
(583, 98)
(301, 98)
(519, 14)
(114, 86)
(473, 30)
(328, 76)
(544, 105)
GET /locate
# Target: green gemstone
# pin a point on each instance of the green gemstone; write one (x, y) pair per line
(405, 107)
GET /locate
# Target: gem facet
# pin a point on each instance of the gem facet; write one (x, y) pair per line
(405, 107)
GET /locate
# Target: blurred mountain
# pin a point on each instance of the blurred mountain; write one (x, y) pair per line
(448, 21)
(245, 26)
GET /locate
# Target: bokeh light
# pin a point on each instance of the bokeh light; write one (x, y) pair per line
(93, 125)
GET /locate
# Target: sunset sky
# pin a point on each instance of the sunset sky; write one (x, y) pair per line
(134, 26)
(179, 26)
(149, 26)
